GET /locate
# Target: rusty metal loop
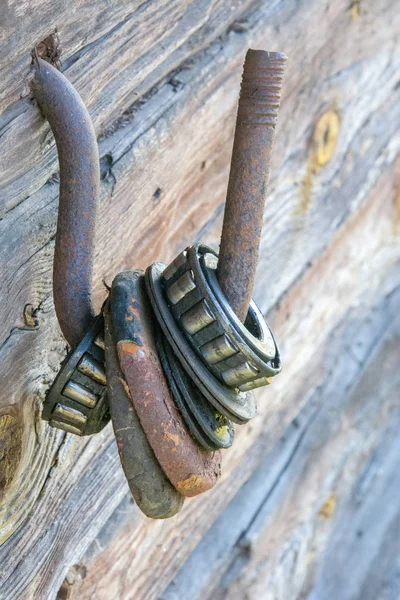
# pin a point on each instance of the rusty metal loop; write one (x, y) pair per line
(79, 192)
(190, 468)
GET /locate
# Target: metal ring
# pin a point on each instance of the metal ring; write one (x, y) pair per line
(189, 467)
(255, 331)
(150, 487)
(236, 406)
(257, 357)
(210, 428)
(240, 356)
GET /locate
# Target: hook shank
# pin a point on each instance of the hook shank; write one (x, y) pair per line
(250, 167)
(79, 192)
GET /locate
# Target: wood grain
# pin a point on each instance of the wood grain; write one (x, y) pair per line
(323, 528)
(113, 54)
(161, 83)
(345, 301)
(309, 515)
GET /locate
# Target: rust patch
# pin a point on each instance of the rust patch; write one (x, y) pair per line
(133, 310)
(249, 174)
(150, 487)
(79, 192)
(173, 437)
(178, 454)
(190, 484)
(323, 145)
(128, 348)
(355, 9)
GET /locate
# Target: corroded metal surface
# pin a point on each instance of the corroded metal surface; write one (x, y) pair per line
(208, 426)
(191, 469)
(251, 156)
(151, 489)
(236, 354)
(174, 386)
(79, 190)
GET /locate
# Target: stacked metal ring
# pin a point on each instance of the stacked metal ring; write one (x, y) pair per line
(175, 383)
(77, 400)
(209, 356)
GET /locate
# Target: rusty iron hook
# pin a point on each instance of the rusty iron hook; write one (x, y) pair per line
(170, 460)
(79, 192)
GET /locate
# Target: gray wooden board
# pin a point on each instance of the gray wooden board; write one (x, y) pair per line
(359, 554)
(161, 82)
(349, 550)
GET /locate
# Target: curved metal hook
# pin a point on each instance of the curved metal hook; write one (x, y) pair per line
(79, 192)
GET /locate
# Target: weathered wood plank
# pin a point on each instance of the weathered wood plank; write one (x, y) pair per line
(274, 537)
(165, 166)
(113, 53)
(288, 230)
(296, 391)
(335, 506)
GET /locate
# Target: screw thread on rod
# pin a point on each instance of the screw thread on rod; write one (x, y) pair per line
(250, 168)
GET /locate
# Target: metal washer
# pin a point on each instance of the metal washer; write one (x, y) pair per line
(209, 427)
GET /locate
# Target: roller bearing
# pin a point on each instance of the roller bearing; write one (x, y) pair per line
(234, 404)
(77, 400)
(241, 356)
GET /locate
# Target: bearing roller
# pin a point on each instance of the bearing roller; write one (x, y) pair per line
(177, 362)
(233, 404)
(208, 426)
(77, 401)
(206, 347)
(241, 356)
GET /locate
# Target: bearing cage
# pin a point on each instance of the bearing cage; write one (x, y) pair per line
(77, 400)
(237, 358)
(237, 406)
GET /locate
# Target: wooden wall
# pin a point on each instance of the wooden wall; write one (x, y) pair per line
(308, 506)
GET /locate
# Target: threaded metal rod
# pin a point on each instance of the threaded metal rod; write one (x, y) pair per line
(250, 168)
